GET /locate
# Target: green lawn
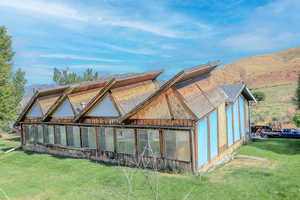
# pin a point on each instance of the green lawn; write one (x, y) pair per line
(41, 176)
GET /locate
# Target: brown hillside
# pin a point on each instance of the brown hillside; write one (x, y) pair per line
(262, 70)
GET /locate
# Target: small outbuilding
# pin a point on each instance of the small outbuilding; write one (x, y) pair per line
(187, 123)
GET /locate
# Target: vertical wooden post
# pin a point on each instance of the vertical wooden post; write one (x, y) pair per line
(191, 138)
(136, 144)
(80, 133)
(22, 135)
(115, 141)
(161, 143)
(97, 140)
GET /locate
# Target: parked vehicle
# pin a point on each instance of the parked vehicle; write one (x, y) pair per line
(290, 133)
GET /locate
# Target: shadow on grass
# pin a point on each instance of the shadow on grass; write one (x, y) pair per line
(288, 146)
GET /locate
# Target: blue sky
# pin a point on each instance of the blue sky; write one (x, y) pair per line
(119, 36)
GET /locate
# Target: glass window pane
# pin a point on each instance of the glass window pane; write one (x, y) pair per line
(148, 142)
(70, 140)
(56, 135)
(51, 134)
(170, 144)
(183, 146)
(46, 135)
(177, 145)
(31, 133)
(26, 133)
(92, 137)
(76, 136)
(84, 136)
(63, 137)
(125, 141)
(40, 134)
(106, 139)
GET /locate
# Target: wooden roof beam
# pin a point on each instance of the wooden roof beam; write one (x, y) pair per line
(27, 108)
(162, 89)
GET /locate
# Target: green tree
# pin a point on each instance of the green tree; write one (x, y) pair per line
(259, 95)
(297, 118)
(65, 77)
(7, 100)
(19, 82)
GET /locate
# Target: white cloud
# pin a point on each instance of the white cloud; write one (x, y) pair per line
(143, 51)
(75, 57)
(159, 22)
(269, 27)
(44, 8)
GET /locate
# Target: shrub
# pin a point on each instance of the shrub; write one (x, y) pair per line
(259, 95)
(297, 118)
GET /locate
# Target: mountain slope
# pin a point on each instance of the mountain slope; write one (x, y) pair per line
(274, 74)
(263, 70)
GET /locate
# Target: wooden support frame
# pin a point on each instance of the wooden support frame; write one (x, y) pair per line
(192, 150)
(161, 143)
(155, 95)
(169, 106)
(136, 141)
(115, 140)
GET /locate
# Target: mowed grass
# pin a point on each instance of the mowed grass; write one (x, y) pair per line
(41, 176)
(278, 104)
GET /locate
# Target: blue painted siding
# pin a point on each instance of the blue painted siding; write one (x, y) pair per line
(236, 121)
(229, 125)
(242, 116)
(213, 121)
(202, 143)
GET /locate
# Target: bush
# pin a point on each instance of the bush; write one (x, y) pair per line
(297, 118)
(259, 95)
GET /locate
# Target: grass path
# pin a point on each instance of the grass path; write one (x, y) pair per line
(41, 176)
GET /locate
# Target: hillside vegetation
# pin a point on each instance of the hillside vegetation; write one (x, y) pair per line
(278, 106)
(274, 74)
(263, 70)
